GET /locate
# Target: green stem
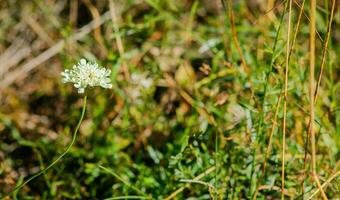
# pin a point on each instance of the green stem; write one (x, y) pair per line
(60, 157)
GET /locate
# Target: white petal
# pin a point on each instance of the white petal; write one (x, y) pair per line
(83, 61)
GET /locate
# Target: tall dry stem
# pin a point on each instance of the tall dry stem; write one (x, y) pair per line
(324, 53)
(311, 93)
(285, 100)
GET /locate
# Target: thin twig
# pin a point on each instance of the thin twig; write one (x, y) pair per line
(311, 90)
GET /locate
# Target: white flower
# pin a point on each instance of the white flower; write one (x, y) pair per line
(86, 74)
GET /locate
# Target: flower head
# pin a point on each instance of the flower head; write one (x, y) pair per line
(86, 74)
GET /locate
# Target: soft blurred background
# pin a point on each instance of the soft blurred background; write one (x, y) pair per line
(187, 115)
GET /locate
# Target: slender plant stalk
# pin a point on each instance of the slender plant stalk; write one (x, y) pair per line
(324, 53)
(271, 135)
(60, 157)
(312, 92)
(290, 53)
(297, 28)
(285, 101)
(308, 19)
(302, 6)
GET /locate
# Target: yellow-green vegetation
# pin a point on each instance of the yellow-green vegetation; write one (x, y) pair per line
(201, 99)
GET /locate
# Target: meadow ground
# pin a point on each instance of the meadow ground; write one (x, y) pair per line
(210, 99)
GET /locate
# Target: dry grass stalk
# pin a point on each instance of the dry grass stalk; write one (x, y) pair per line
(285, 101)
(308, 19)
(271, 134)
(311, 93)
(324, 52)
(297, 28)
